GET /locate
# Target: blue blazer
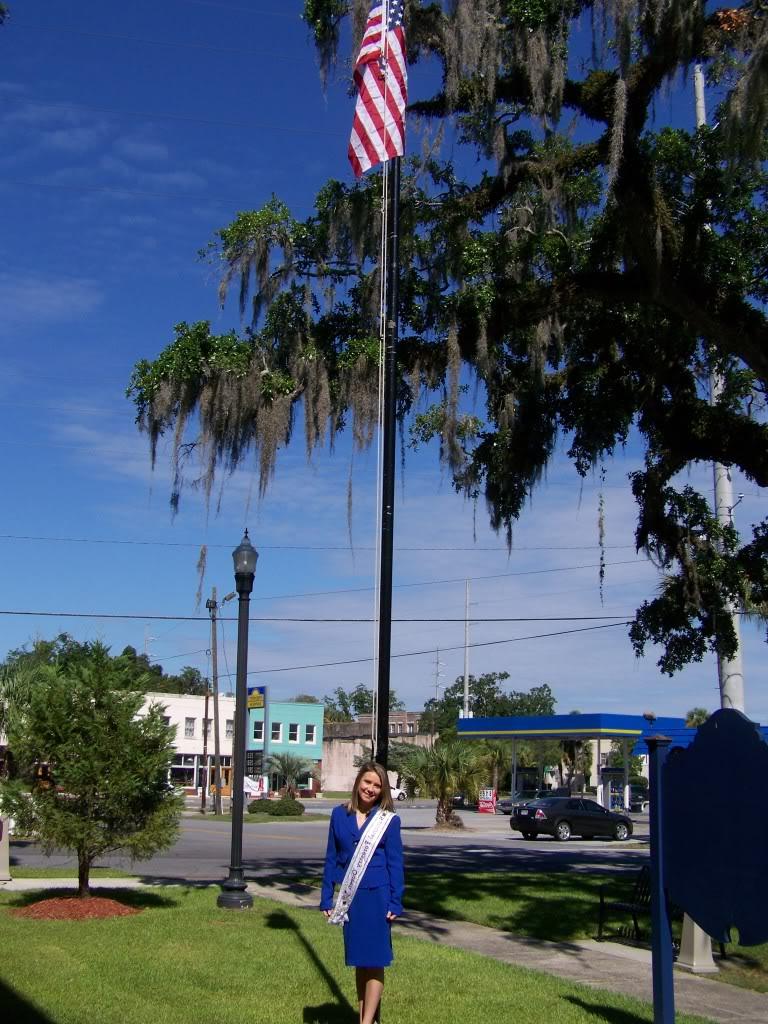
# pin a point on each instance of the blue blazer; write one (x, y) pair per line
(384, 868)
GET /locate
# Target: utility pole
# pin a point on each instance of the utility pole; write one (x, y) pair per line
(466, 649)
(147, 640)
(438, 673)
(438, 684)
(212, 607)
(204, 785)
(730, 671)
(695, 945)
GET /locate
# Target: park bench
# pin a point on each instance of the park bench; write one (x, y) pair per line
(638, 903)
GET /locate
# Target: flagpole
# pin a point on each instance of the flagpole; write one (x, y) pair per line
(388, 460)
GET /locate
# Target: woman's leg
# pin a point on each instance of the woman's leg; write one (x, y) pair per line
(360, 985)
(370, 985)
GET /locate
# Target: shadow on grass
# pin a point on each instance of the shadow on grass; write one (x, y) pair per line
(609, 1014)
(180, 883)
(340, 1012)
(138, 898)
(557, 907)
(19, 1011)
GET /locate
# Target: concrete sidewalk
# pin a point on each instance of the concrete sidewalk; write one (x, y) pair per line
(605, 965)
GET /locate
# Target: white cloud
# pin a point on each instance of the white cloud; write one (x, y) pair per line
(30, 299)
(73, 140)
(141, 149)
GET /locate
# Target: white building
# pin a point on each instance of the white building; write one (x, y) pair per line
(192, 717)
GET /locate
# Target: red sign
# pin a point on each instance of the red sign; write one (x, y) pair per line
(486, 803)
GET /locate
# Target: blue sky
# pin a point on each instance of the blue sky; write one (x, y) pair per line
(128, 135)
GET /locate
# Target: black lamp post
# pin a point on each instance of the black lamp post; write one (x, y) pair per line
(233, 895)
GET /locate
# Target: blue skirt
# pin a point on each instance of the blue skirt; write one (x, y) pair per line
(367, 933)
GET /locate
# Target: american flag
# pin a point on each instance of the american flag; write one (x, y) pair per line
(381, 77)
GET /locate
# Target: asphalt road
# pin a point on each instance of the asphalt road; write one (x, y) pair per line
(286, 848)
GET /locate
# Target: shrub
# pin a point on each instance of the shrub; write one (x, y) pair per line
(286, 807)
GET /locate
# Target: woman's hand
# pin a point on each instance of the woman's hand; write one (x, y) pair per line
(391, 916)
(327, 913)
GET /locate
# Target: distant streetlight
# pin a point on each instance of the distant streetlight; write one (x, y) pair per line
(233, 895)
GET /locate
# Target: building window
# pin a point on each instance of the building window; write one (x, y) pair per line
(276, 732)
(309, 733)
(603, 760)
(399, 726)
(207, 723)
(410, 728)
(258, 731)
(166, 720)
(293, 732)
(189, 727)
(229, 729)
(392, 728)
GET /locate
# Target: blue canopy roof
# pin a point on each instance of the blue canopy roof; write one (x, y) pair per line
(561, 727)
(580, 727)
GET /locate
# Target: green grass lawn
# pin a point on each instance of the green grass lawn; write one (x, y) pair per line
(556, 907)
(184, 961)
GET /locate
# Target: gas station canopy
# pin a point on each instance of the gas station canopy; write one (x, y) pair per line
(570, 727)
(632, 728)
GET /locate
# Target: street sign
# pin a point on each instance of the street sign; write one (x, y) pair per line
(256, 697)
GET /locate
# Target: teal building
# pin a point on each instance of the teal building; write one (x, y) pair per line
(285, 727)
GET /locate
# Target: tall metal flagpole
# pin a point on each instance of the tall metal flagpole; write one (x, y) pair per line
(388, 461)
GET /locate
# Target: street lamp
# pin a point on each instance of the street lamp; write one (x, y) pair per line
(233, 895)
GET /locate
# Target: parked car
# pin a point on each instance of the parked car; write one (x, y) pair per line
(397, 794)
(563, 817)
(461, 800)
(508, 803)
(639, 799)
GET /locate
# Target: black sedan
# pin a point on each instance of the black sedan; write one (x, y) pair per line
(563, 817)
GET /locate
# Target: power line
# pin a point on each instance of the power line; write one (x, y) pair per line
(414, 654)
(457, 579)
(307, 547)
(242, 10)
(186, 654)
(296, 618)
(173, 45)
(326, 593)
(125, 191)
(210, 122)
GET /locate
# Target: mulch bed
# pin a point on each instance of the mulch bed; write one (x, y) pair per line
(75, 908)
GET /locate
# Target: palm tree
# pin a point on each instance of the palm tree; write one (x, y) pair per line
(498, 757)
(696, 717)
(289, 768)
(444, 770)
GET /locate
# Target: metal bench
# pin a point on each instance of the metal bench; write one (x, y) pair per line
(638, 903)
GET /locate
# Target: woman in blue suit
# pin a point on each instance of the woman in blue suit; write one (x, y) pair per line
(378, 899)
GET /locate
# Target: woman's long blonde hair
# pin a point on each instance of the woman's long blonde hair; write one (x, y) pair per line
(385, 800)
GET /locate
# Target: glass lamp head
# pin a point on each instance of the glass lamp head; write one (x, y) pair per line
(245, 557)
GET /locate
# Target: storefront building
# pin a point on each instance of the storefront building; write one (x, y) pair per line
(192, 718)
(285, 727)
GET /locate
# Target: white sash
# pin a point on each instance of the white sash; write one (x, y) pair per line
(360, 861)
